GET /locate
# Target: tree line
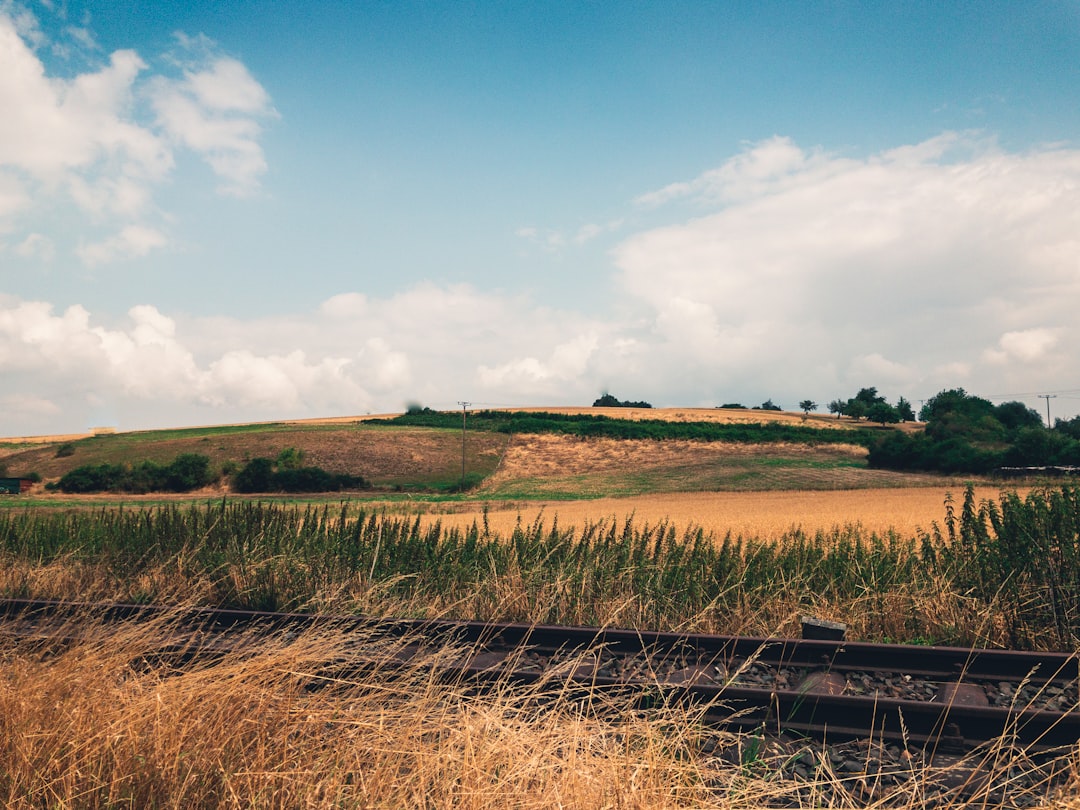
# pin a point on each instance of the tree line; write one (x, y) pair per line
(966, 433)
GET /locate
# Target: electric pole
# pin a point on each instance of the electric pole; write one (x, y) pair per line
(1047, 397)
(464, 406)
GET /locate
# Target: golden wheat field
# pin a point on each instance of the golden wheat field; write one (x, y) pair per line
(765, 515)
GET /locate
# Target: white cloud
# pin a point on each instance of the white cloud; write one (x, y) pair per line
(36, 245)
(215, 110)
(132, 242)
(107, 137)
(802, 275)
(553, 241)
(745, 175)
(345, 305)
(52, 126)
(1026, 346)
(567, 362)
(880, 369)
(920, 254)
(13, 197)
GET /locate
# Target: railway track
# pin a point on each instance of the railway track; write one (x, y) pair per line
(936, 698)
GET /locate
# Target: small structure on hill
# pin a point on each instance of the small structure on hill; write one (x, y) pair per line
(15, 486)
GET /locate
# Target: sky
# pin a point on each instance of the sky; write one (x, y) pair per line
(216, 212)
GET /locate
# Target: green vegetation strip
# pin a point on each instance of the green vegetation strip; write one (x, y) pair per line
(611, 428)
(1005, 572)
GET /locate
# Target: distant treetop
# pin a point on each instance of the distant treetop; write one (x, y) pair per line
(608, 401)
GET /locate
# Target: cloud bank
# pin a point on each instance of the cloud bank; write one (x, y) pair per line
(800, 274)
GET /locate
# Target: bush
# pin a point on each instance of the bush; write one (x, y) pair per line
(259, 475)
(186, 472)
(92, 478)
(290, 459)
(255, 476)
(65, 450)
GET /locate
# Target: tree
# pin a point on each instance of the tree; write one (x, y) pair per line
(256, 476)
(808, 405)
(868, 397)
(855, 408)
(955, 413)
(1016, 415)
(882, 412)
(1070, 427)
(768, 405)
(610, 401)
(837, 407)
(904, 409)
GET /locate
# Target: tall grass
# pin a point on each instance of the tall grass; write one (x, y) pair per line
(103, 723)
(85, 727)
(98, 724)
(1003, 573)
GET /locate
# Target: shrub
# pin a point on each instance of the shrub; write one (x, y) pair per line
(259, 475)
(186, 472)
(92, 478)
(255, 476)
(65, 450)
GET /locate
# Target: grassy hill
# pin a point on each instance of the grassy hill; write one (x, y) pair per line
(578, 452)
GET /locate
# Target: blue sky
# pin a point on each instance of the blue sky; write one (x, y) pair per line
(213, 212)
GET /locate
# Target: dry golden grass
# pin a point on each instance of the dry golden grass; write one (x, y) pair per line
(91, 726)
(718, 415)
(105, 724)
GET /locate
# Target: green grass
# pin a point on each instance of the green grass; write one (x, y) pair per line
(600, 426)
(999, 573)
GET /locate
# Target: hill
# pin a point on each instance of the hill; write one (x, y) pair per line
(526, 453)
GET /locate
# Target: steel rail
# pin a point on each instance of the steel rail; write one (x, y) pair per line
(492, 651)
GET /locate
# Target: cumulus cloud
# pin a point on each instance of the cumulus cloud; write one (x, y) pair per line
(1027, 346)
(919, 254)
(800, 274)
(215, 110)
(105, 138)
(567, 362)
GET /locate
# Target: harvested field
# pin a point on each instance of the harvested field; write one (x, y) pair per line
(719, 415)
(555, 466)
(764, 515)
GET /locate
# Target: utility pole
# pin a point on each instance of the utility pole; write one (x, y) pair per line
(1047, 397)
(464, 406)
